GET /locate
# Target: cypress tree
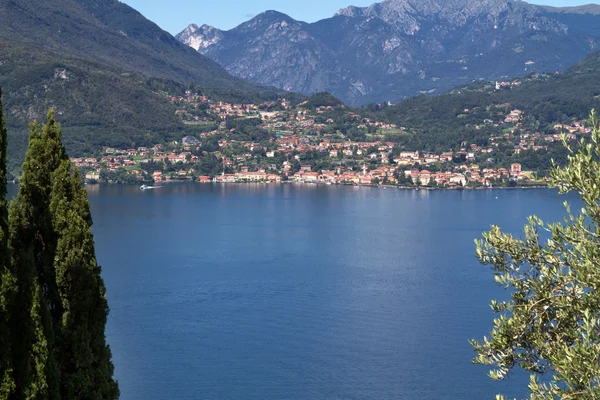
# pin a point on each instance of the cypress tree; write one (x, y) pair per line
(44, 156)
(6, 281)
(55, 297)
(35, 370)
(84, 357)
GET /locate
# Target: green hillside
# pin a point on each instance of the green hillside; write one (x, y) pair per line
(96, 105)
(441, 122)
(99, 62)
(111, 33)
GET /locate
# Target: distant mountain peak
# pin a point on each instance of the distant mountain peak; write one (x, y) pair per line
(190, 30)
(446, 9)
(349, 11)
(273, 15)
(269, 24)
(266, 19)
(200, 38)
(593, 9)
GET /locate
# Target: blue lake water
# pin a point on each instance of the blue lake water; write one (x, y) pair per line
(302, 292)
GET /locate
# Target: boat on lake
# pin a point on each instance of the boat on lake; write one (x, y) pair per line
(146, 187)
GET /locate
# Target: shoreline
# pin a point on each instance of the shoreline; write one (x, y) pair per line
(429, 188)
(334, 184)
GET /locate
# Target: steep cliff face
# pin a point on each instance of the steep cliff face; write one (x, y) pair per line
(400, 48)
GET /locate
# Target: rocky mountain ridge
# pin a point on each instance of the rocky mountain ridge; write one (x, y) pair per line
(398, 48)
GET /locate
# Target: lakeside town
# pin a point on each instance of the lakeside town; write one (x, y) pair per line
(279, 142)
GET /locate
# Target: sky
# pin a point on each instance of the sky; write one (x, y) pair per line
(175, 15)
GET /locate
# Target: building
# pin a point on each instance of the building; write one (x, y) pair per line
(92, 176)
(515, 169)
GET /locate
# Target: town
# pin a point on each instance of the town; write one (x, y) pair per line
(320, 143)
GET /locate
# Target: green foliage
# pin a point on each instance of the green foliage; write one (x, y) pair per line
(241, 124)
(34, 367)
(6, 379)
(209, 165)
(255, 95)
(83, 355)
(98, 106)
(51, 288)
(551, 324)
(32, 243)
(44, 155)
(439, 123)
(323, 99)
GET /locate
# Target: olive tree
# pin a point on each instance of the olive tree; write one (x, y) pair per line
(550, 326)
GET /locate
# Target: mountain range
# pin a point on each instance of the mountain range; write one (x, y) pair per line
(400, 48)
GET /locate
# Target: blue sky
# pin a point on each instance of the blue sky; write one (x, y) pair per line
(175, 15)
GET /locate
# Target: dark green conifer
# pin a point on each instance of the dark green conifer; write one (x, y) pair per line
(84, 357)
(52, 289)
(6, 379)
(34, 367)
(44, 156)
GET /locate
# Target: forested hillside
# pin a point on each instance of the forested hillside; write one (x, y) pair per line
(99, 63)
(96, 105)
(111, 33)
(447, 120)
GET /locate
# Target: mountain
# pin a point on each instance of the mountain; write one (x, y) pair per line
(399, 48)
(450, 119)
(111, 33)
(593, 9)
(95, 61)
(96, 105)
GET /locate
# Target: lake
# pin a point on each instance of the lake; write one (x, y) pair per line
(302, 292)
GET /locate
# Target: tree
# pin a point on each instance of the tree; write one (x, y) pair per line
(44, 154)
(551, 324)
(6, 379)
(83, 356)
(35, 372)
(56, 297)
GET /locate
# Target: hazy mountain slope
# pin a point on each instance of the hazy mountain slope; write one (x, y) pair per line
(399, 48)
(112, 33)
